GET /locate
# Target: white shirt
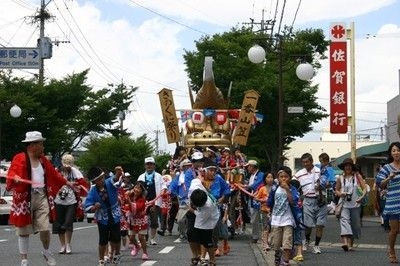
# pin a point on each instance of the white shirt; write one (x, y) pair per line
(38, 176)
(308, 180)
(281, 212)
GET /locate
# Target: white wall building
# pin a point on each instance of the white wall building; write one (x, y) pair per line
(335, 145)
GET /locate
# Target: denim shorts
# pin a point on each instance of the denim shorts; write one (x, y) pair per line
(392, 217)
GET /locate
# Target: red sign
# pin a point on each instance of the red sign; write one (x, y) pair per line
(338, 78)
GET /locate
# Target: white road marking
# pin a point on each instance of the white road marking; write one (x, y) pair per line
(178, 240)
(167, 249)
(148, 263)
(85, 227)
(3, 240)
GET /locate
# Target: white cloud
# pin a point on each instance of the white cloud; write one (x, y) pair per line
(148, 53)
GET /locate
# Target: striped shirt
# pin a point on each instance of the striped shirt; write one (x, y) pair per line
(392, 205)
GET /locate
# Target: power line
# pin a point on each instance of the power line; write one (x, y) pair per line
(168, 18)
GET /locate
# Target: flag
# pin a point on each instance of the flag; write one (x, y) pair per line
(259, 117)
(185, 115)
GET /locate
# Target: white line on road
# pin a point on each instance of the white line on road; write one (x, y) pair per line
(167, 249)
(3, 240)
(85, 227)
(148, 263)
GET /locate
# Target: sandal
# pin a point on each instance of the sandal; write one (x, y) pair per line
(392, 257)
(195, 261)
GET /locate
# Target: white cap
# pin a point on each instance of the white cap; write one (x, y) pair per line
(197, 155)
(185, 162)
(127, 174)
(149, 160)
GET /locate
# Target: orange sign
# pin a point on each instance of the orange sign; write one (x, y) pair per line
(169, 115)
(246, 117)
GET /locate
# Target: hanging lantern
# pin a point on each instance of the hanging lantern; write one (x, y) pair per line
(198, 117)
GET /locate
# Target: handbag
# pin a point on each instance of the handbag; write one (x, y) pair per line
(338, 209)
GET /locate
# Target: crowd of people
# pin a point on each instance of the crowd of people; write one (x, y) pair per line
(209, 193)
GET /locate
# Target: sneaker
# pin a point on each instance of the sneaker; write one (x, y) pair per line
(306, 245)
(24, 262)
(135, 251)
(101, 263)
(298, 258)
(316, 250)
(145, 256)
(106, 259)
(153, 242)
(68, 249)
(161, 233)
(48, 256)
(116, 260)
(62, 250)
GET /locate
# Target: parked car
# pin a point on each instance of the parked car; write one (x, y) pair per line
(5, 205)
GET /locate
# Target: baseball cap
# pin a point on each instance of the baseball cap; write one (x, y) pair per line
(251, 162)
(185, 162)
(149, 160)
(196, 156)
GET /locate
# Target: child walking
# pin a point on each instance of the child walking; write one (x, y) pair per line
(261, 196)
(138, 219)
(207, 216)
(283, 200)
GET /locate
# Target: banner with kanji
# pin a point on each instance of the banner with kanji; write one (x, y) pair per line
(338, 78)
(169, 115)
(246, 116)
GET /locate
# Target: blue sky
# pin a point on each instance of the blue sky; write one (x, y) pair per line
(142, 42)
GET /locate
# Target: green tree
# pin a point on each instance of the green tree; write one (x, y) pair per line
(231, 63)
(66, 111)
(108, 152)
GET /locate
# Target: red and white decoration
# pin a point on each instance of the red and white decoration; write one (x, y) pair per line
(198, 117)
(338, 78)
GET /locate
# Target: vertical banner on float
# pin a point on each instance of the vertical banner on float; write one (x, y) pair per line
(246, 117)
(338, 78)
(169, 115)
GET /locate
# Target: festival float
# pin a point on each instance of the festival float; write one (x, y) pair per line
(209, 121)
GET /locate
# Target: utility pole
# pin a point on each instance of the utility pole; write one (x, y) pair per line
(44, 43)
(157, 139)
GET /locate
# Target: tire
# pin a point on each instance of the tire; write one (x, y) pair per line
(4, 219)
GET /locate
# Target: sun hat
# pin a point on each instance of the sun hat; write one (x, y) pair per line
(149, 160)
(345, 162)
(33, 136)
(94, 173)
(251, 162)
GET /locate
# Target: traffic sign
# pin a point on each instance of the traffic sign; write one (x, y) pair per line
(16, 57)
(295, 109)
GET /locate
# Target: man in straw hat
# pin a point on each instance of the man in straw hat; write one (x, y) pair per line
(33, 180)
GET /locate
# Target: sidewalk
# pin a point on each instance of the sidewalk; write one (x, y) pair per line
(268, 258)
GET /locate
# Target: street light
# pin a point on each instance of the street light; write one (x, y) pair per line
(304, 71)
(15, 111)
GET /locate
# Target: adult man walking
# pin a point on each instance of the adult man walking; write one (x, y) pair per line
(315, 210)
(255, 180)
(153, 184)
(34, 181)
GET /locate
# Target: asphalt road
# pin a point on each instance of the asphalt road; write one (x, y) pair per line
(370, 249)
(168, 252)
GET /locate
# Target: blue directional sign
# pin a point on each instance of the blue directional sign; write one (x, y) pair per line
(15, 57)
